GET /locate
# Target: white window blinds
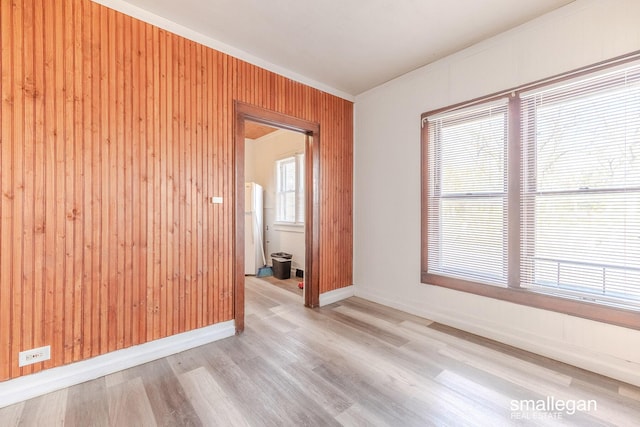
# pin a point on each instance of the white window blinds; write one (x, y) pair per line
(580, 177)
(467, 215)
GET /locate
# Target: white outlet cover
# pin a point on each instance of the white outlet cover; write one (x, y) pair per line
(35, 355)
(216, 200)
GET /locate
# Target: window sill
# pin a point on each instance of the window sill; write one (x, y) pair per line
(289, 227)
(588, 310)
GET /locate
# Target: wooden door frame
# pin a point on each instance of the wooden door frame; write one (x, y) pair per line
(242, 113)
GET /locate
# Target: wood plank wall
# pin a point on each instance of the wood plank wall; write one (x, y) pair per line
(114, 133)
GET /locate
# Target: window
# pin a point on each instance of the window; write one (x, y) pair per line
(467, 194)
(290, 190)
(581, 188)
(533, 196)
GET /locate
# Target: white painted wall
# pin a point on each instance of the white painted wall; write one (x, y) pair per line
(260, 158)
(387, 181)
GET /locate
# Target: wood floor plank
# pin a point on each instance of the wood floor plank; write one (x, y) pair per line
(294, 347)
(47, 410)
(285, 394)
(381, 358)
(257, 406)
(331, 398)
(382, 312)
(562, 368)
(409, 326)
(487, 403)
(440, 406)
(11, 415)
(367, 328)
(116, 378)
(389, 326)
(86, 405)
(276, 322)
(358, 416)
(376, 400)
(516, 371)
(211, 403)
(129, 405)
(186, 361)
(290, 285)
(630, 391)
(170, 404)
(274, 293)
(261, 308)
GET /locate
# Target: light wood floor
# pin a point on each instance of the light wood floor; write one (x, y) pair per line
(351, 363)
(290, 284)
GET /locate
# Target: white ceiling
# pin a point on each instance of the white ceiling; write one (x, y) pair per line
(349, 45)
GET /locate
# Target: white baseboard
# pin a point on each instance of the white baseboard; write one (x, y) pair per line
(29, 386)
(617, 368)
(336, 295)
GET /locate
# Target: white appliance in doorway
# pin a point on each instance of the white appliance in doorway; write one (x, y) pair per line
(253, 229)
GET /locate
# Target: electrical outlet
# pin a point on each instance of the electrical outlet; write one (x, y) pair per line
(35, 355)
(216, 200)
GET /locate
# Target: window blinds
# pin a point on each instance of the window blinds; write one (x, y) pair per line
(467, 215)
(580, 181)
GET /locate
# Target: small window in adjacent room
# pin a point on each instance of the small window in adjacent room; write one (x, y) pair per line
(290, 190)
(533, 195)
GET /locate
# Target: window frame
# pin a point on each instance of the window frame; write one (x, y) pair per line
(514, 292)
(298, 192)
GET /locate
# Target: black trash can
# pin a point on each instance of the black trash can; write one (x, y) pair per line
(281, 265)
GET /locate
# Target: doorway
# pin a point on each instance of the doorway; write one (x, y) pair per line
(246, 113)
(274, 207)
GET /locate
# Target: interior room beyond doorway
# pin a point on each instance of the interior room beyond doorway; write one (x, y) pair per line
(274, 167)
